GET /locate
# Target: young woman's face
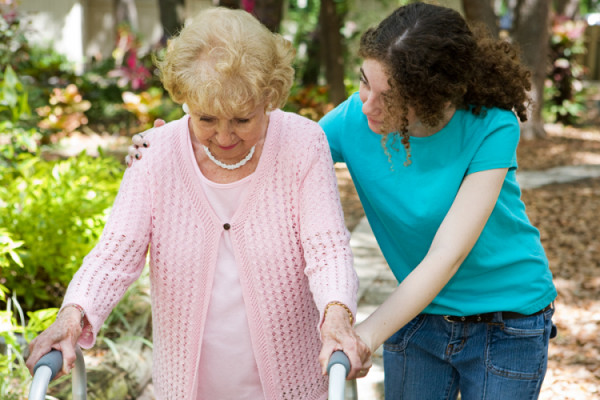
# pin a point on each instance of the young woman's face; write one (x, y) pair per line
(229, 139)
(373, 83)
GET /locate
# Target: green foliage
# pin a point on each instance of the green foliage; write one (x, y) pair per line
(66, 111)
(14, 141)
(8, 255)
(46, 67)
(57, 209)
(563, 94)
(14, 46)
(13, 97)
(133, 69)
(15, 332)
(149, 105)
(309, 101)
(106, 111)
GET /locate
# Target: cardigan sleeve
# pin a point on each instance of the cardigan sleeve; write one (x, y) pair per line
(118, 258)
(325, 238)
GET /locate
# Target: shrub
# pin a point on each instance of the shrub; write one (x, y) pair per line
(14, 104)
(563, 93)
(57, 209)
(310, 101)
(15, 332)
(65, 114)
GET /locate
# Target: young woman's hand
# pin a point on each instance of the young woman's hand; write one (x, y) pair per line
(61, 335)
(134, 152)
(337, 334)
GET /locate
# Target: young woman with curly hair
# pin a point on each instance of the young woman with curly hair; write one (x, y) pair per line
(473, 309)
(472, 313)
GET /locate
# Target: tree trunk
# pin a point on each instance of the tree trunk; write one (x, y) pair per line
(312, 67)
(482, 11)
(125, 12)
(170, 17)
(568, 8)
(270, 13)
(531, 32)
(332, 50)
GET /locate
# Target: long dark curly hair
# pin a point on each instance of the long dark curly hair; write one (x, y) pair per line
(432, 57)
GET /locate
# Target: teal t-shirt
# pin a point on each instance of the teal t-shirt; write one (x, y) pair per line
(507, 269)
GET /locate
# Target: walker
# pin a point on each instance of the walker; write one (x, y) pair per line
(49, 365)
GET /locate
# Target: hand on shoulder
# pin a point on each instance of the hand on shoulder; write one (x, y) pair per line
(139, 142)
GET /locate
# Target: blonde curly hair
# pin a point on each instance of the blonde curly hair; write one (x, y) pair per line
(225, 62)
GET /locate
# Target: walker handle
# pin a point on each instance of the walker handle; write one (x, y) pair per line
(49, 366)
(338, 369)
(53, 360)
(339, 357)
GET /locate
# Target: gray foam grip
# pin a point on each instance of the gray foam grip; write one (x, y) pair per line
(339, 357)
(54, 360)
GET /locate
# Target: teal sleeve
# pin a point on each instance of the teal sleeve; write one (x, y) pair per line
(332, 123)
(498, 149)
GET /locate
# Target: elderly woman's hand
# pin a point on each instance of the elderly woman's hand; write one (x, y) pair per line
(138, 140)
(61, 335)
(337, 334)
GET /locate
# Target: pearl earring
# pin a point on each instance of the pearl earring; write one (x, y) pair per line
(186, 109)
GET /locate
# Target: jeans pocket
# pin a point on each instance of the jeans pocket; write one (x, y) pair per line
(518, 348)
(399, 340)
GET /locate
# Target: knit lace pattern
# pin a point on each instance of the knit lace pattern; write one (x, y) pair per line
(289, 239)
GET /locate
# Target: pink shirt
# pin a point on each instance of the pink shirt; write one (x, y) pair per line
(288, 237)
(227, 367)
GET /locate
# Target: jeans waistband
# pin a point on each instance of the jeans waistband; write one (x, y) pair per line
(488, 317)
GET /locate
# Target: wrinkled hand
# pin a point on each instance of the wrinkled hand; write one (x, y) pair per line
(61, 335)
(138, 142)
(337, 334)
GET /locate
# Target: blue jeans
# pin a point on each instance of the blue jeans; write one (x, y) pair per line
(432, 358)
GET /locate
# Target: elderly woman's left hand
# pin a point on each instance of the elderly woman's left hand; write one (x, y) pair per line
(337, 334)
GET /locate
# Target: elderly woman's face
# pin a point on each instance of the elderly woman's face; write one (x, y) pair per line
(229, 138)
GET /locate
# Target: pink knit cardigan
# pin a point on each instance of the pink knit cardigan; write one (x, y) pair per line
(289, 239)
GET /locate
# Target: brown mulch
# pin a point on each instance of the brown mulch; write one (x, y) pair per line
(563, 146)
(568, 217)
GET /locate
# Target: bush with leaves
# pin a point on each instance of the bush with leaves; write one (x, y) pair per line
(310, 101)
(16, 331)
(65, 113)
(14, 104)
(564, 96)
(14, 45)
(57, 209)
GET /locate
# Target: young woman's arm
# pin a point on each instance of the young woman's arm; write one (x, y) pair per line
(453, 241)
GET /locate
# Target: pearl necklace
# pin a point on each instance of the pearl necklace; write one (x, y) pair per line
(230, 166)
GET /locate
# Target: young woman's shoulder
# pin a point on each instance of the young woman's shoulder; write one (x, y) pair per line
(493, 118)
(347, 113)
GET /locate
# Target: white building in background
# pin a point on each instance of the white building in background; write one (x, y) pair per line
(81, 29)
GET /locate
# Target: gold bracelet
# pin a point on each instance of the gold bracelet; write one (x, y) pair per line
(339, 303)
(78, 307)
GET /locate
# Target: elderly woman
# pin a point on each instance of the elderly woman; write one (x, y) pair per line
(250, 261)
